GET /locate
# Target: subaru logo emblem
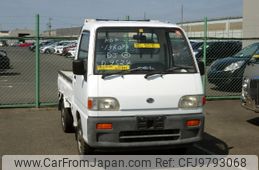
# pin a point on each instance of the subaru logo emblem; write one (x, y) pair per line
(150, 100)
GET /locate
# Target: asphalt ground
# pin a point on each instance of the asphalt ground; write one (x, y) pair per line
(17, 84)
(229, 129)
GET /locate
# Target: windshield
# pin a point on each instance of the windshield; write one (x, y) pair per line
(152, 49)
(248, 51)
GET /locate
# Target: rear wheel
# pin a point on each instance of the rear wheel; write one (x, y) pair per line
(49, 51)
(66, 119)
(82, 146)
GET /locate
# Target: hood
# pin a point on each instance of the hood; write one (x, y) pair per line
(133, 91)
(220, 64)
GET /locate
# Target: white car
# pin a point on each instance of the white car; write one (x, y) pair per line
(63, 44)
(49, 48)
(72, 52)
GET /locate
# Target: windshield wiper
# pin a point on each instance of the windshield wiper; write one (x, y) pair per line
(169, 70)
(123, 72)
(153, 73)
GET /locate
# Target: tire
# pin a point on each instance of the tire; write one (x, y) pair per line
(82, 147)
(47, 51)
(66, 119)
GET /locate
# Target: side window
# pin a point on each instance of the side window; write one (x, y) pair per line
(84, 45)
(180, 49)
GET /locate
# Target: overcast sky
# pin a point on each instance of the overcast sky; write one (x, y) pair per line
(68, 13)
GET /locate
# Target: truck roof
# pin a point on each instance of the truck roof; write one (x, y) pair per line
(96, 23)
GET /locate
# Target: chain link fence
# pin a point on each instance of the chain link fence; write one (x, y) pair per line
(21, 76)
(17, 72)
(52, 59)
(225, 60)
(18, 69)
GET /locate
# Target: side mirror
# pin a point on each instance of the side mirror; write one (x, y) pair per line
(201, 67)
(78, 67)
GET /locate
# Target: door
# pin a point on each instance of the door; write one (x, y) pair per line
(80, 81)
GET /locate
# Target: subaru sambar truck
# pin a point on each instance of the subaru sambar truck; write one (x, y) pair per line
(134, 84)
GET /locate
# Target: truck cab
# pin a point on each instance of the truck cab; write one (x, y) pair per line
(134, 84)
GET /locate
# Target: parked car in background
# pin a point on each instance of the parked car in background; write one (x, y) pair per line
(63, 44)
(250, 86)
(3, 43)
(216, 50)
(66, 50)
(25, 44)
(72, 52)
(42, 43)
(196, 44)
(13, 43)
(228, 72)
(4, 60)
(49, 48)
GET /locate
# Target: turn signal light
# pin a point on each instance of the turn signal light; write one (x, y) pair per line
(103, 126)
(191, 123)
(90, 104)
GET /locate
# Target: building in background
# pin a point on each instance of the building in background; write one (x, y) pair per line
(21, 33)
(251, 19)
(17, 33)
(229, 27)
(4, 33)
(63, 32)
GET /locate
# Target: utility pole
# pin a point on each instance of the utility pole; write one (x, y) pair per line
(182, 15)
(49, 25)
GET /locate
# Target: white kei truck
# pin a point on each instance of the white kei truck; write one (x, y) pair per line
(133, 85)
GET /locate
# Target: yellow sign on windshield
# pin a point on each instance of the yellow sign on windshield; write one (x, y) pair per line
(146, 45)
(256, 56)
(113, 67)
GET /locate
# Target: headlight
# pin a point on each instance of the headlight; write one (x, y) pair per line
(103, 104)
(234, 66)
(189, 102)
(244, 92)
(245, 82)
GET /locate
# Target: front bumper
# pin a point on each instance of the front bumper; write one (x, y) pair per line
(144, 131)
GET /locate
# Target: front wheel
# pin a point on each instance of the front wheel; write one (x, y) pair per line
(82, 146)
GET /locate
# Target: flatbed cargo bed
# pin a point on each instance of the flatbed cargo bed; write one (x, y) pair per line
(68, 75)
(65, 84)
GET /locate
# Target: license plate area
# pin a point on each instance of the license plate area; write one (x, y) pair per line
(150, 122)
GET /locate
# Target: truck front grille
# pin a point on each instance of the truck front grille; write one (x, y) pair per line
(149, 135)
